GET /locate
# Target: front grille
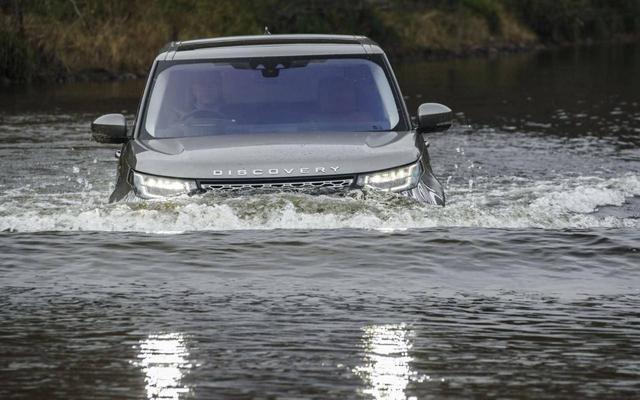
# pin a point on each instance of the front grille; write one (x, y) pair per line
(283, 185)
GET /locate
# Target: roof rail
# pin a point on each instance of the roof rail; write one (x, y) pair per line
(266, 40)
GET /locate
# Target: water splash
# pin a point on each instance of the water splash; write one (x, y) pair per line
(512, 202)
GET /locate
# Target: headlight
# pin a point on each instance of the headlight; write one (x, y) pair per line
(153, 187)
(393, 180)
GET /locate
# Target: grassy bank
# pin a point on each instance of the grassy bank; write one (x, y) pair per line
(59, 39)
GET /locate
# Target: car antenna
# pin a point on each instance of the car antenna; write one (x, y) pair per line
(266, 30)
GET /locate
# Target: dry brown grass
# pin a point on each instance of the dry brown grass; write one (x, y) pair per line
(434, 30)
(117, 45)
(127, 43)
(123, 35)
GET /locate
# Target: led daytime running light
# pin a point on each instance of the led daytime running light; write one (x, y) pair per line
(393, 180)
(151, 187)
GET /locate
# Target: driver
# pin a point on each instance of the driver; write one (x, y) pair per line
(205, 98)
(206, 94)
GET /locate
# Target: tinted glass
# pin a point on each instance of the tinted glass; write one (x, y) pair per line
(285, 95)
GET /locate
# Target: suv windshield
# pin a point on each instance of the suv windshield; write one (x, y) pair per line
(271, 95)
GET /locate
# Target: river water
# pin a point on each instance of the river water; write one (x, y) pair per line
(527, 285)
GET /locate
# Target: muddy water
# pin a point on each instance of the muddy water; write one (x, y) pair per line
(527, 285)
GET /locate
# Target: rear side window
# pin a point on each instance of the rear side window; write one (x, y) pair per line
(271, 95)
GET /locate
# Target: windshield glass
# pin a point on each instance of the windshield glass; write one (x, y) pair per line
(274, 95)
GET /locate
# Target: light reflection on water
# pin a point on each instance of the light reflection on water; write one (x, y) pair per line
(163, 359)
(386, 370)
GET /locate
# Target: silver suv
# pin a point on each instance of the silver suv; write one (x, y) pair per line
(313, 113)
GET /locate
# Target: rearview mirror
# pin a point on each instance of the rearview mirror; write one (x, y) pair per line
(434, 117)
(110, 128)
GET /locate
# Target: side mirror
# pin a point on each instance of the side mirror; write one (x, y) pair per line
(110, 128)
(434, 117)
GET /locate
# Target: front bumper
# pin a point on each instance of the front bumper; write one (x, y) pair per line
(415, 181)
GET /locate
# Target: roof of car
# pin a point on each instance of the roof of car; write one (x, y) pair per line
(269, 45)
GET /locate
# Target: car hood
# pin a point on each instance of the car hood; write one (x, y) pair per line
(273, 155)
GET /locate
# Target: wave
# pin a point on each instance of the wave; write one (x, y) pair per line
(568, 203)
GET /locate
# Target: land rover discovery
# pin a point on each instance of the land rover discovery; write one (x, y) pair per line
(311, 113)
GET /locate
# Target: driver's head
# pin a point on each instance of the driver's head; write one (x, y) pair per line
(206, 91)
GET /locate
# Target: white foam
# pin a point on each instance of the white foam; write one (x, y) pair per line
(594, 192)
(509, 203)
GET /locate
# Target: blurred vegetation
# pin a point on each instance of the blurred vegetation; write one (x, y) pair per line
(58, 39)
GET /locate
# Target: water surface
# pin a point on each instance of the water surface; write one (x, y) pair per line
(527, 285)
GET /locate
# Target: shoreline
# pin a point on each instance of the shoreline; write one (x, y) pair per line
(57, 42)
(93, 75)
